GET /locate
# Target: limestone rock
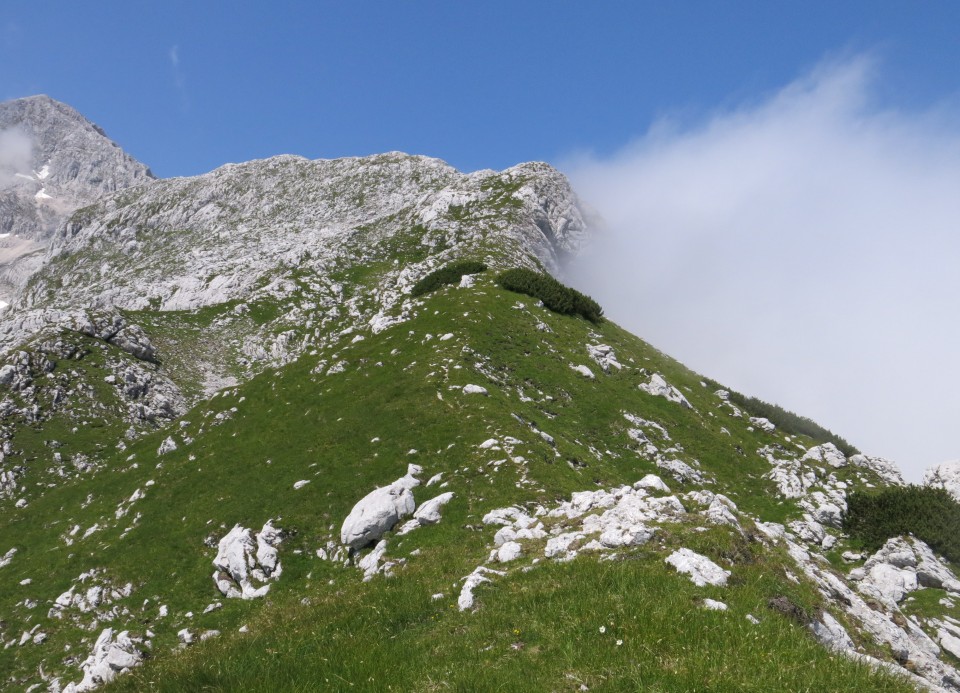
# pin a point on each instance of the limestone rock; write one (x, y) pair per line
(376, 513)
(659, 387)
(246, 563)
(370, 564)
(901, 566)
(950, 641)
(429, 512)
(946, 476)
(763, 424)
(604, 356)
(885, 469)
(828, 453)
(509, 551)
(110, 656)
(831, 634)
(168, 445)
(714, 605)
(701, 570)
(479, 576)
(583, 370)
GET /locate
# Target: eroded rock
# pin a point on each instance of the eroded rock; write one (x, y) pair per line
(246, 563)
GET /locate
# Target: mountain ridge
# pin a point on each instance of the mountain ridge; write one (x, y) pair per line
(238, 452)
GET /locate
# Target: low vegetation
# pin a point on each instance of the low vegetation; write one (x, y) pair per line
(929, 514)
(555, 296)
(787, 421)
(448, 274)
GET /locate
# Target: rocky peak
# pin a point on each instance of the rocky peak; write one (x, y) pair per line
(52, 161)
(62, 154)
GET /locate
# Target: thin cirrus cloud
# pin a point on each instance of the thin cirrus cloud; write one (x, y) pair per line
(802, 248)
(179, 82)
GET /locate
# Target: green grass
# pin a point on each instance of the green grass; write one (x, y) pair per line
(350, 432)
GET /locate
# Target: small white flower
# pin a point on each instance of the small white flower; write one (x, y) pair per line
(619, 643)
(603, 629)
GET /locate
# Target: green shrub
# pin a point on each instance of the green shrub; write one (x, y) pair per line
(787, 421)
(555, 296)
(929, 514)
(448, 274)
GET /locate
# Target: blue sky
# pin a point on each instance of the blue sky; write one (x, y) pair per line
(187, 86)
(779, 179)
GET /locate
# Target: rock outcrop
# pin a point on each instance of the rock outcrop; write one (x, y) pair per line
(112, 654)
(659, 387)
(946, 476)
(247, 562)
(378, 512)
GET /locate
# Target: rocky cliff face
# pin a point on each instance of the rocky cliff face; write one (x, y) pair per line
(52, 161)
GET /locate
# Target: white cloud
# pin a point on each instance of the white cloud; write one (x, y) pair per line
(16, 155)
(804, 249)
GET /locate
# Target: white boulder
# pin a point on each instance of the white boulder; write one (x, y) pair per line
(370, 564)
(168, 445)
(509, 551)
(658, 387)
(828, 453)
(763, 424)
(429, 512)
(701, 570)
(901, 566)
(110, 656)
(653, 483)
(583, 370)
(375, 514)
(474, 390)
(604, 356)
(244, 559)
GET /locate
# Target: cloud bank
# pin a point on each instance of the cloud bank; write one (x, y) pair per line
(803, 248)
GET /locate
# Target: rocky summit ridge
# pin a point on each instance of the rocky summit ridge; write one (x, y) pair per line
(242, 449)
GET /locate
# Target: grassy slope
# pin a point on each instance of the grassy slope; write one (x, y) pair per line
(536, 630)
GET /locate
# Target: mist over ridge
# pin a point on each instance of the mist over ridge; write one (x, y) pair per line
(800, 248)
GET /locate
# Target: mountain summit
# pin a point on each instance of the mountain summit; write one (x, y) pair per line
(52, 161)
(329, 425)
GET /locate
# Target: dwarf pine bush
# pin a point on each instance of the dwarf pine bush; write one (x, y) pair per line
(448, 274)
(555, 296)
(929, 514)
(786, 420)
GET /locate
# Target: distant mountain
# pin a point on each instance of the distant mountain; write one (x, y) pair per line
(336, 425)
(52, 161)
